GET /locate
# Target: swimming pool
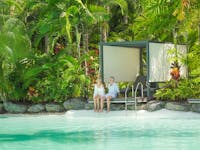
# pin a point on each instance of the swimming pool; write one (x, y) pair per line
(86, 130)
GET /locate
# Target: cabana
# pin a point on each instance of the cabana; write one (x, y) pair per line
(125, 61)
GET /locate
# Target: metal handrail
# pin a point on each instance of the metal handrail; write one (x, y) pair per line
(142, 93)
(142, 89)
(134, 94)
(127, 88)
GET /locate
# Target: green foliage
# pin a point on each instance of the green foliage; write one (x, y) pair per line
(194, 63)
(14, 42)
(59, 78)
(171, 21)
(79, 25)
(45, 78)
(186, 89)
(14, 50)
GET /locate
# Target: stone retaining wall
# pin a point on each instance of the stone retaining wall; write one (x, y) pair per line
(79, 104)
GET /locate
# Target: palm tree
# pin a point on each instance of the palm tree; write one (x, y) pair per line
(104, 26)
(15, 47)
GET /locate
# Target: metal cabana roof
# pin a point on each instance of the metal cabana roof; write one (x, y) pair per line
(136, 44)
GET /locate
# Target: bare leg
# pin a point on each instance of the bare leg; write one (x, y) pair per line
(108, 103)
(96, 98)
(102, 103)
(97, 104)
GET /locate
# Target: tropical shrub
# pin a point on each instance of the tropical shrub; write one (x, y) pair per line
(185, 89)
(59, 78)
(78, 26)
(43, 78)
(14, 50)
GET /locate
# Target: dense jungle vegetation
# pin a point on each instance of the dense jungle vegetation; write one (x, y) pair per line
(49, 48)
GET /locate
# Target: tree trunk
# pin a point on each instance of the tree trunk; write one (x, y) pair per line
(86, 41)
(78, 41)
(103, 28)
(126, 19)
(103, 31)
(85, 47)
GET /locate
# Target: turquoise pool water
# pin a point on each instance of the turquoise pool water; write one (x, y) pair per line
(86, 130)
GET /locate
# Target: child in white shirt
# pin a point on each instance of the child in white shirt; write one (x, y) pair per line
(113, 91)
(99, 94)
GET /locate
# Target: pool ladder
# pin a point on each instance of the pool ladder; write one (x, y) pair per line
(134, 99)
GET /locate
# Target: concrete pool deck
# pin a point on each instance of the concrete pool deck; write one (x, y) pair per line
(160, 114)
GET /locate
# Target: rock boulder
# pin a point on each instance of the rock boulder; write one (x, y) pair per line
(54, 108)
(1, 108)
(14, 108)
(195, 108)
(177, 106)
(89, 106)
(155, 105)
(74, 104)
(36, 108)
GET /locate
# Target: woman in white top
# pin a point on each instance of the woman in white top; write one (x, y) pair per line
(99, 94)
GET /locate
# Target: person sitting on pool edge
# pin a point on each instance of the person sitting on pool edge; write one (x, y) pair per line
(113, 91)
(99, 93)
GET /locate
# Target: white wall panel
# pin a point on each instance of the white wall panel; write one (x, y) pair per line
(121, 62)
(159, 61)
